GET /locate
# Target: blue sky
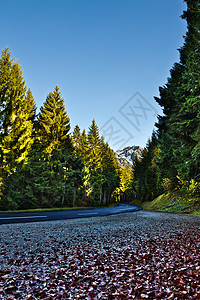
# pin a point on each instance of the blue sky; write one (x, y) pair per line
(108, 57)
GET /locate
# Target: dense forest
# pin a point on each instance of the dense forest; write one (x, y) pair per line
(42, 163)
(171, 159)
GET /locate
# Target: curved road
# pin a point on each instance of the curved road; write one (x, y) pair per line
(8, 218)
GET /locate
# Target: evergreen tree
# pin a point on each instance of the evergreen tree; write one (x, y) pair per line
(145, 171)
(53, 151)
(135, 172)
(53, 124)
(75, 177)
(15, 124)
(31, 106)
(16, 127)
(178, 128)
(110, 172)
(124, 190)
(139, 176)
(94, 142)
(83, 148)
(76, 135)
(82, 154)
(187, 120)
(94, 162)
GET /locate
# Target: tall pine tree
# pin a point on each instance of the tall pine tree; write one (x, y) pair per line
(94, 162)
(15, 123)
(53, 124)
(179, 126)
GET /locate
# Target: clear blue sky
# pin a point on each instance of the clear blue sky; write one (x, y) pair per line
(100, 53)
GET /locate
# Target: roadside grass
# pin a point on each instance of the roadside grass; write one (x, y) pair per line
(172, 202)
(44, 209)
(197, 213)
(54, 209)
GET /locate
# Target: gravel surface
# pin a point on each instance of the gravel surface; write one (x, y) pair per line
(137, 255)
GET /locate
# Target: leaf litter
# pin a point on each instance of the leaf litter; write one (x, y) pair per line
(143, 255)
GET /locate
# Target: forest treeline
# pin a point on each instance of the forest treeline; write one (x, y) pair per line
(42, 164)
(171, 159)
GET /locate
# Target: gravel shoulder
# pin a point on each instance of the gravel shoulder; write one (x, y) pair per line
(137, 255)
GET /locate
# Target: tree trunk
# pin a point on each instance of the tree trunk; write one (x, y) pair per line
(41, 198)
(74, 197)
(63, 197)
(104, 197)
(108, 198)
(100, 196)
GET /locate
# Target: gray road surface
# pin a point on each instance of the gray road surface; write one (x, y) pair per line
(8, 218)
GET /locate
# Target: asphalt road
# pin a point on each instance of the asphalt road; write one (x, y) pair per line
(19, 217)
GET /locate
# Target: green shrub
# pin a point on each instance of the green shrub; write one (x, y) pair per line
(194, 188)
(167, 184)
